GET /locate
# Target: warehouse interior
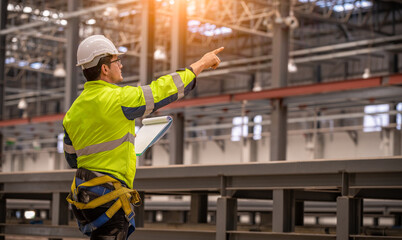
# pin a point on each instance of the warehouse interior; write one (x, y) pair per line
(302, 83)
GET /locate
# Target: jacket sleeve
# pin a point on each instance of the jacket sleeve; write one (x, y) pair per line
(69, 151)
(144, 100)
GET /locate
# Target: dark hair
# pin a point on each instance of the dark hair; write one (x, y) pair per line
(93, 73)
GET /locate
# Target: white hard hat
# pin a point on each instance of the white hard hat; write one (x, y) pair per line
(93, 48)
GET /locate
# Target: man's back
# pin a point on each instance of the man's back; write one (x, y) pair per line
(101, 134)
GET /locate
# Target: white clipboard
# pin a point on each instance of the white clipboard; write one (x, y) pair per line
(151, 131)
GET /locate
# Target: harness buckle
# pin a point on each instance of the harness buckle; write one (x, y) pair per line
(130, 217)
(75, 194)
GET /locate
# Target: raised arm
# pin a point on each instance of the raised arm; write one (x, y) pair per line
(209, 60)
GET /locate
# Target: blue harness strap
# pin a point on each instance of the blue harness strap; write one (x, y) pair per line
(87, 229)
(96, 189)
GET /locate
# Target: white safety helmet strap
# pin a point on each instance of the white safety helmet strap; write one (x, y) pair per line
(92, 49)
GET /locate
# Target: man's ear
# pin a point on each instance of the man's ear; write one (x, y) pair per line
(104, 69)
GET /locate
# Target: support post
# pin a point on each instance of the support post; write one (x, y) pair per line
(299, 213)
(140, 212)
(226, 216)
(147, 41)
(280, 57)
(72, 37)
(283, 219)
(179, 30)
(349, 217)
(176, 140)
(3, 21)
(1, 151)
(3, 212)
(317, 74)
(278, 137)
(59, 210)
(398, 220)
(178, 60)
(199, 208)
(395, 134)
(147, 55)
(393, 63)
(253, 150)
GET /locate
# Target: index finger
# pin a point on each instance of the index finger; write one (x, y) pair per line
(218, 50)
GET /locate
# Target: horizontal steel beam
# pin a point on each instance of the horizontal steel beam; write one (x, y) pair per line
(297, 92)
(243, 235)
(39, 119)
(141, 233)
(73, 232)
(294, 91)
(384, 173)
(41, 230)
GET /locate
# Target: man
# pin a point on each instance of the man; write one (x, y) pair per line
(99, 135)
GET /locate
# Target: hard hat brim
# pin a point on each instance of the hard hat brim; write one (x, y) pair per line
(104, 55)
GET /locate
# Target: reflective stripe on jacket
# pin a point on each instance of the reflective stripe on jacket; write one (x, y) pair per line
(99, 127)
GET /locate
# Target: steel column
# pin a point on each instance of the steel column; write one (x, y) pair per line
(178, 60)
(176, 139)
(3, 211)
(179, 30)
(349, 217)
(199, 208)
(147, 41)
(59, 210)
(72, 37)
(278, 137)
(147, 55)
(3, 21)
(283, 219)
(1, 151)
(394, 134)
(299, 213)
(393, 63)
(140, 212)
(226, 216)
(280, 53)
(317, 73)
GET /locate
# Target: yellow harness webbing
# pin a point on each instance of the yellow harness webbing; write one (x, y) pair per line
(121, 195)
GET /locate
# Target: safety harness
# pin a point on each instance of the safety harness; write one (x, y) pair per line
(121, 196)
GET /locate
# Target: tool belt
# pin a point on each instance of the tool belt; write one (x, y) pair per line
(121, 196)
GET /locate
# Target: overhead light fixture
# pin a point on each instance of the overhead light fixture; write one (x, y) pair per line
(36, 65)
(63, 22)
(22, 104)
(366, 73)
(160, 54)
(27, 10)
(111, 12)
(123, 49)
(257, 86)
(292, 66)
(10, 7)
(59, 71)
(46, 13)
(91, 21)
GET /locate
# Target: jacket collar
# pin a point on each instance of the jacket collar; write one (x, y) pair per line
(99, 83)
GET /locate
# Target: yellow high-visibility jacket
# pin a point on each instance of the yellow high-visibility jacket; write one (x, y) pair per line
(99, 127)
